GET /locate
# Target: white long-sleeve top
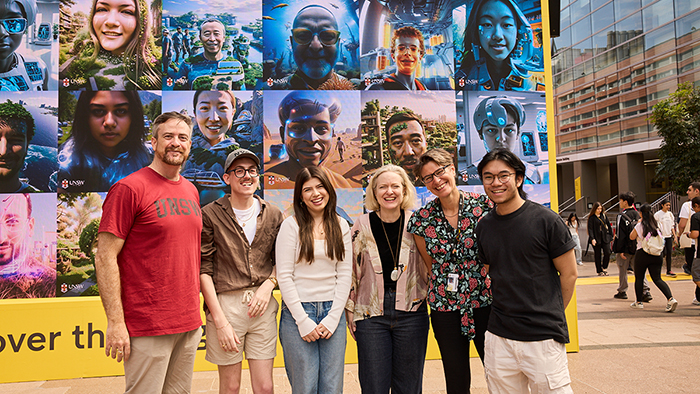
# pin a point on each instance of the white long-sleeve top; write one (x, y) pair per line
(322, 280)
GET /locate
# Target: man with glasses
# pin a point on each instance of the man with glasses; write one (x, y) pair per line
(315, 40)
(498, 120)
(532, 281)
(407, 51)
(212, 34)
(307, 133)
(407, 140)
(19, 72)
(238, 276)
(22, 275)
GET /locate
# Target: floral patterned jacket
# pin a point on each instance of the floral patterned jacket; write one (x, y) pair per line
(367, 290)
(455, 251)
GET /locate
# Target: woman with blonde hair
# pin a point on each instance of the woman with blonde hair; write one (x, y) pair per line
(314, 271)
(387, 313)
(460, 290)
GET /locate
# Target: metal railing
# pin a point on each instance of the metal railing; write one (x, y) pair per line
(565, 202)
(571, 204)
(604, 204)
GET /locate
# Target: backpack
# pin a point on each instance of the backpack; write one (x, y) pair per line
(653, 245)
(622, 242)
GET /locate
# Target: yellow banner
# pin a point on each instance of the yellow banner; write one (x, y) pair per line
(47, 339)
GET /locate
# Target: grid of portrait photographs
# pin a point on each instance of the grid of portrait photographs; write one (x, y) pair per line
(343, 85)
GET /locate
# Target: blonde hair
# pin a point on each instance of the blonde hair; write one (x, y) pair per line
(409, 191)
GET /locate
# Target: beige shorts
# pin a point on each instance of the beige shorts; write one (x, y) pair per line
(258, 335)
(521, 367)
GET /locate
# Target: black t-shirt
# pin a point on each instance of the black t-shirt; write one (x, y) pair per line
(393, 231)
(519, 249)
(695, 226)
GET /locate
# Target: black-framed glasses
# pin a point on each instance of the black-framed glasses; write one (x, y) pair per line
(503, 177)
(14, 25)
(429, 178)
(304, 36)
(240, 172)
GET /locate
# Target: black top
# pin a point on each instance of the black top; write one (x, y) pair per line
(393, 231)
(695, 226)
(519, 249)
(599, 229)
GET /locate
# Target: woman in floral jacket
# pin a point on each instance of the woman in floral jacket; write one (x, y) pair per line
(459, 294)
(386, 311)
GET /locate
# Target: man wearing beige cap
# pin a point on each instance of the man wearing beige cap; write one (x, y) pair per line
(238, 275)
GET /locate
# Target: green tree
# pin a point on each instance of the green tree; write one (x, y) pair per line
(677, 121)
(66, 111)
(153, 109)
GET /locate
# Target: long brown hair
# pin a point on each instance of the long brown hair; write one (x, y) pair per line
(335, 248)
(595, 207)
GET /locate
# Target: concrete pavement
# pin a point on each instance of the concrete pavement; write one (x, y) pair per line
(622, 350)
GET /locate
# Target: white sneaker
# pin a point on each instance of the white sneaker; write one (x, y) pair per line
(671, 305)
(637, 305)
(696, 302)
(579, 263)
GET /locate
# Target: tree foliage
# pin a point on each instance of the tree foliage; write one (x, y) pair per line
(677, 120)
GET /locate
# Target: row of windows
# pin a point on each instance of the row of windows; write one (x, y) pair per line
(610, 138)
(587, 57)
(663, 68)
(602, 13)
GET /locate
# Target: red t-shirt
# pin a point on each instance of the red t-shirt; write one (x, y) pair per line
(161, 225)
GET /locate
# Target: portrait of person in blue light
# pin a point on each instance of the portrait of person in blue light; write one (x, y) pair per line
(498, 49)
(107, 142)
(19, 72)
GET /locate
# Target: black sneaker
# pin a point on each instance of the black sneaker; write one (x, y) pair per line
(620, 295)
(647, 297)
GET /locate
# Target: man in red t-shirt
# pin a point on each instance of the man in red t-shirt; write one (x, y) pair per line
(147, 266)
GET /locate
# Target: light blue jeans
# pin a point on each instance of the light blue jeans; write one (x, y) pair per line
(313, 367)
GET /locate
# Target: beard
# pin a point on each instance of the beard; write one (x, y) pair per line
(174, 161)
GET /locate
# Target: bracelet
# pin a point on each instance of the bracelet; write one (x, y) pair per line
(273, 280)
(224, 326)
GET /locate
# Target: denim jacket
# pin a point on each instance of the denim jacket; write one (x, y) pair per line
(367, 290)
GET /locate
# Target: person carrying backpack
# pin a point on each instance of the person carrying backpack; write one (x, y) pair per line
(648, 256)
(626, 248)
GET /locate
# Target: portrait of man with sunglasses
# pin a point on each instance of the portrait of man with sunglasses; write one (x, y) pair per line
(19, 72)
(22, 273)
(316, 46)
(498, 121)
(307, 131)
(407, 51)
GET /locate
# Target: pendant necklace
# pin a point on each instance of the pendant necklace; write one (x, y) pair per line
(394, 256)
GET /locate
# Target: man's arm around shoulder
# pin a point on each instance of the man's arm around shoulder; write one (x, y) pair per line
(568, 273)
(109, 283)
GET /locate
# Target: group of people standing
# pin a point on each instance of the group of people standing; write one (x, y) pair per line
(378, 277)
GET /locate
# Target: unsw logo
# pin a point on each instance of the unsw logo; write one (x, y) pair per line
(66, 183)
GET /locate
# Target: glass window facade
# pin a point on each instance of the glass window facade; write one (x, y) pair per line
(615, 62)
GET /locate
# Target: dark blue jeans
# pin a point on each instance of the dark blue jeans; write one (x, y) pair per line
(391, 349)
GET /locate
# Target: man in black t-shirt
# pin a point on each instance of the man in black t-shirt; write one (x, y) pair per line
(625, 247)
(532, 281)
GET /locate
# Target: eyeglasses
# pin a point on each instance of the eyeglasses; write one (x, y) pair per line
(429, 178)
(240, 172)
(304, 36)
(503, 177)
(14, 25)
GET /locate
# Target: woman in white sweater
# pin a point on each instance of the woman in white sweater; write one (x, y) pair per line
(314, 271)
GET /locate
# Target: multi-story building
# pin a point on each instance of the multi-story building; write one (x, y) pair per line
(612, 62)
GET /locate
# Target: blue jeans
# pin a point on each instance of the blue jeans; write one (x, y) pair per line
(313, 367)
(391, 349)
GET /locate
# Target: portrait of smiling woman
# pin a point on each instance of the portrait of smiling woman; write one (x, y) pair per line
(498, 49)
(116, 51)
(106, 142)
